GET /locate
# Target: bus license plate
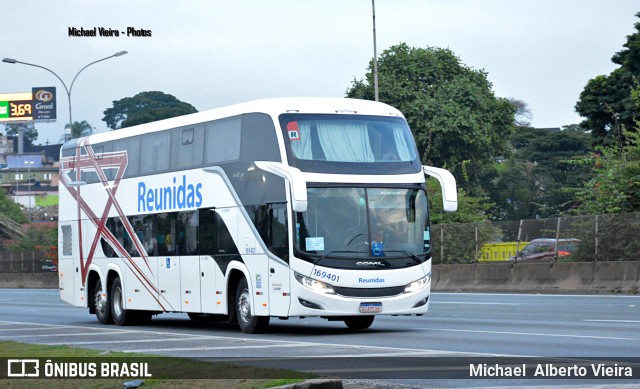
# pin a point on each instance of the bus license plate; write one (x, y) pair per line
(370, 307)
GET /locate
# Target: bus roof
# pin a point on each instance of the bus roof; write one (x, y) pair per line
(273, 107)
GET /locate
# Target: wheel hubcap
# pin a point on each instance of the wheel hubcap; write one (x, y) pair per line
(117, 301)
(100, 302)
(243, 306)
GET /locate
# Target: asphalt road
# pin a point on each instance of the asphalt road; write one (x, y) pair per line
(461, 325)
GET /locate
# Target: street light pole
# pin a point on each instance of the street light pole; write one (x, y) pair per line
(375, 54)
(68, 90)
(29, 163)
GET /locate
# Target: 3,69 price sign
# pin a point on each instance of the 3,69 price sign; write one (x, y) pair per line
(16, 110)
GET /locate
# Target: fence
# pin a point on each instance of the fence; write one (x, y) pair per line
(600, 238)
(25, 262)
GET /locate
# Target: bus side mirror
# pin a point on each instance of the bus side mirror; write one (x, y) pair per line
(448, 185)
(296, 181)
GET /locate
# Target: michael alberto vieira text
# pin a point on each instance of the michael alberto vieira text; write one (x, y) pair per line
(542, 370)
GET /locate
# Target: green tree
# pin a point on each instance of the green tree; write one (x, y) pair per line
(615, 186)
(458, 122)
(10, 209)
(80, 129)
(606, 102)
(37, 238)
(470, 209)
(540, 179)
(30, 132)
(144, 107)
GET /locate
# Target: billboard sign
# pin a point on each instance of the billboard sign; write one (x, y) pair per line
(16, 107)
(37, 105)
(44, 103)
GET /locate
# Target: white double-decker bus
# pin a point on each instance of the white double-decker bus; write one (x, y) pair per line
(272, 208)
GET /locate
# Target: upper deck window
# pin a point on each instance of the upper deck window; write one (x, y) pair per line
(349, 144)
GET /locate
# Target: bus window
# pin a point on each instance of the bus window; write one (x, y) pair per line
(214, 237)
(187, 147)
(222, 140)
(156, 150)
(271, 222)
(189, 244)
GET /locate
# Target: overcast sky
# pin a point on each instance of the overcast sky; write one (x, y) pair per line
(216, 53)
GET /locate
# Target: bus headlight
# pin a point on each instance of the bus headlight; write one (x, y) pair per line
(419, 284)
(315, 285)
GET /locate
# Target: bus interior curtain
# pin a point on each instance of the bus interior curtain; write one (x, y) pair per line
(401, 144)
(345, 142)
(302, 147)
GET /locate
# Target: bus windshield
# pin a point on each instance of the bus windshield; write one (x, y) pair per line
(344, 225)
(341, 143)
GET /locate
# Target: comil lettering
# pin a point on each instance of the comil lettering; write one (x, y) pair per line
(176, 196)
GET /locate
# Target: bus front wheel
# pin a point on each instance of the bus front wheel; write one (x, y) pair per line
(249, 323)
(359, 322)
(101, 304)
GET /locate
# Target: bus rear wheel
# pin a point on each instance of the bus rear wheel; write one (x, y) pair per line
(101, 304)
(121, 316)
(358, 322)
(249, 323)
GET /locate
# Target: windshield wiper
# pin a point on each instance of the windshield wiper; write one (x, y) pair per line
(409, 254)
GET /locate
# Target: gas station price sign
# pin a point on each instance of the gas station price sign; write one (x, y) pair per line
(37, 105)
(16, 106)
(19, 110)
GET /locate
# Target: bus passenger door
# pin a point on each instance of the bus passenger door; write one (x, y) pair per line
(169, 263)
(280, 292)
(277, 240)
(189, 261)
(210, 298)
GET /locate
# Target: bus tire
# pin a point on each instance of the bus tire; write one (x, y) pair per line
(358, 322)
(102, 304)
(121, 316)
(249, 323)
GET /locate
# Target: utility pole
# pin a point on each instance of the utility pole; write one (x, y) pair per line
(375, 54)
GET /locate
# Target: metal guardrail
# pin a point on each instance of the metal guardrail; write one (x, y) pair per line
(26, 262)
(601, 237)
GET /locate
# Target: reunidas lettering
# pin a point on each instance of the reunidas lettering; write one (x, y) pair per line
(375, 280)
(176, 196)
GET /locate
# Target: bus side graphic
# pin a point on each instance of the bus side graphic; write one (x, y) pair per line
(118, 160)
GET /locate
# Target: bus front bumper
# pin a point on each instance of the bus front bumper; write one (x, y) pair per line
(306, 302)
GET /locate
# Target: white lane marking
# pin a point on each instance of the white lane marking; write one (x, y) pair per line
(60, 335)
(25, 329)
(529, 334)
(613, 321)
(590, 296)
(205, 348)
(473, 303)
(186, 337)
